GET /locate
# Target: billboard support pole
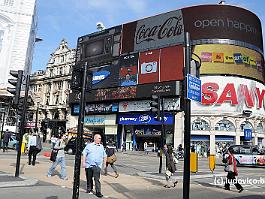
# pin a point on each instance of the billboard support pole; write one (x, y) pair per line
(187, 123)
(79, 137)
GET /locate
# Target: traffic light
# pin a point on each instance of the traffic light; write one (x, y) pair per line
(77, 77)
(17, 83)
(89, 79)
(155, 107)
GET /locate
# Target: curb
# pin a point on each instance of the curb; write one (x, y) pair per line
(25, 182)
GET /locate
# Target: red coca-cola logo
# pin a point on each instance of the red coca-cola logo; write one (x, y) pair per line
(171, 27)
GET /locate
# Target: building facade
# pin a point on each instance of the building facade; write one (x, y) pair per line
(50, 89)
(226, 40)
(18, 24)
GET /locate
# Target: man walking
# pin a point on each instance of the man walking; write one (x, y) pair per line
(6, 139)
(94, 156)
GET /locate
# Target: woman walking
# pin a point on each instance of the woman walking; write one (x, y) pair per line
(111, 158)
(170, 166)
(60, 158)
(232, 171)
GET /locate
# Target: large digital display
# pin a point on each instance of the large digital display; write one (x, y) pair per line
(100, 47)
(203, 22)
(230, 95)
(225, 59)
(223, 22)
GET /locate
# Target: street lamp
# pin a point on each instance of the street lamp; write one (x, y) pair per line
(37, 113)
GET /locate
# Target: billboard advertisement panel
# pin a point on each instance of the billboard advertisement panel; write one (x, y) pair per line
(222, 59)
(203, 22)
(231, 95)
(223, 22)
(153, 32)
(171, 88)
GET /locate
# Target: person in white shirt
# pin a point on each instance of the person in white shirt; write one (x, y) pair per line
(32, 148)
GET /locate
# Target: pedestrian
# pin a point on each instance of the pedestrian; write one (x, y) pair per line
(32, 148)
(60, 158)
(170, 166)
(53, 141)
(94, 156)
(145, 148)
(232, 171)
(6, 139)
(111, 158)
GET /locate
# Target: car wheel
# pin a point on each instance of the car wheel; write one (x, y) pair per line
(70, 151)
(237, 163)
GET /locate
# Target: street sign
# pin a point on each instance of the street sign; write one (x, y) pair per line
(248, 134)
(194, 90)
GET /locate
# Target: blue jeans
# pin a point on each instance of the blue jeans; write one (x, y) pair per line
(61, 162)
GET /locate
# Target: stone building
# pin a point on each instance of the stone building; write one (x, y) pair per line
(50, 88)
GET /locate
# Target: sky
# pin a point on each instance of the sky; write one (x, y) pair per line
(70, 19)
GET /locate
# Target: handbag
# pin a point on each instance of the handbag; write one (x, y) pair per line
(112, 159)
(54, 155)
(229, 167)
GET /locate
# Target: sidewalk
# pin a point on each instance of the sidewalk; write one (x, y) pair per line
(33, 175)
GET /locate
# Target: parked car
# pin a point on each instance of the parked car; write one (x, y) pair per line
(70, 147)
(13, 142)
(247, 155)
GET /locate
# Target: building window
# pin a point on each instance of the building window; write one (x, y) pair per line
(47, 100)
(61, 71)
(200, 125)
(62, 59)
(51, 72)
(225, 125)
(245, 125)
(259, 128)
(56, 100)
(8, 2)
(60, 85)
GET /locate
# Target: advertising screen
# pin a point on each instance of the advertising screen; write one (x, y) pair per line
(228, 59)
(153, 32)
(223, 22)
(230, 95)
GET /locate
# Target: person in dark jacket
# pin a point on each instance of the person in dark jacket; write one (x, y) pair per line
(232, 171)
(111, 158)
(170, 166)
(6, 139)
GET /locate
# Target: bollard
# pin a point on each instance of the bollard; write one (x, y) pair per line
(193, 162)
(212, 162)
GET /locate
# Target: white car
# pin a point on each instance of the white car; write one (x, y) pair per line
(247, 155)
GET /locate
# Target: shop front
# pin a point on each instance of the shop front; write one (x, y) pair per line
(105, 125)
(137, 129)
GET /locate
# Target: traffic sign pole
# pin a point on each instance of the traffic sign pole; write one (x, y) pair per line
(187, 123)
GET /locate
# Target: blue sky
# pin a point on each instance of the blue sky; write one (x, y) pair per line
(69, 19)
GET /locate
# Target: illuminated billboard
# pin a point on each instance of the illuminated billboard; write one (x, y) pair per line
(222, 59)
(231, 95)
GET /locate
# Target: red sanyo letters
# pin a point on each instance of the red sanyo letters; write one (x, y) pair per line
(232, 95)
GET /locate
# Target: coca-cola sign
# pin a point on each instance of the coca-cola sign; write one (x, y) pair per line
(159, 31)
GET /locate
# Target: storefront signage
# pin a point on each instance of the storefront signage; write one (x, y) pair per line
(94, 120)
(100, 120)
(96, 108)
(142, 119)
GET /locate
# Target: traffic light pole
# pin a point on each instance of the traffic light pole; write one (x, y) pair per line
(22, 125)
(79, 137)
(187, 123)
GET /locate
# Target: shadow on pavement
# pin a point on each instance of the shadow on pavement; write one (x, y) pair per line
(248, 197)
(52, 197)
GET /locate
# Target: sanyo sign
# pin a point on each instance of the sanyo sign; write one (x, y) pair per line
(231, 94)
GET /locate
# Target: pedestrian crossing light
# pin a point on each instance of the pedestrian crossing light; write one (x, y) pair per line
(155, 107)
(17, 85)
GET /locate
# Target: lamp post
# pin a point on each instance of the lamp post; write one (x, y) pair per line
(37, 113)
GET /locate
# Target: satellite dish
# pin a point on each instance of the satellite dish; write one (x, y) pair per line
(100, 26)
